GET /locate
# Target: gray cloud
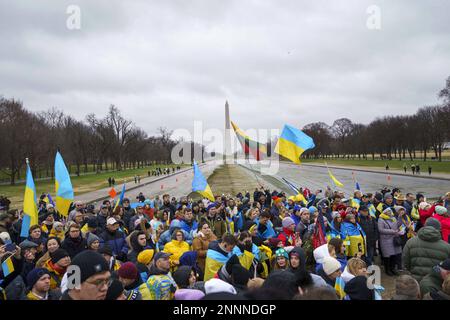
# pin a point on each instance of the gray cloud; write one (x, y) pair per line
(168, 63)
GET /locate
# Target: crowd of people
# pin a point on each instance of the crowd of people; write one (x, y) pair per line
(265, 245)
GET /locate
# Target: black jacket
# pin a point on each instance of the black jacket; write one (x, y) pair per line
(370, 228)
(74, 246)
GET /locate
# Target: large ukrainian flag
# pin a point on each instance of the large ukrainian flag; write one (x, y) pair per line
(200, 185)
(292, 143)
(63, 186)
(30, 210)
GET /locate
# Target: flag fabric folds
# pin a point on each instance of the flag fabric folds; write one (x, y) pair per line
(299, 196)
(339, 286)
(292, 143)
(63, 186)
(30, 210)
(249, 145)
(200, 185)
(336, 181)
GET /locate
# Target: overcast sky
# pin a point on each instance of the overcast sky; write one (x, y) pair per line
(168, 63)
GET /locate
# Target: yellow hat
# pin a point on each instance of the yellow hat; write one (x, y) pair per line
(146, 256)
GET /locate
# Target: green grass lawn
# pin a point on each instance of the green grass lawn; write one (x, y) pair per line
(81, 184)
(436, 166)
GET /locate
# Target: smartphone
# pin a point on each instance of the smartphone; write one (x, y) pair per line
(10, 247)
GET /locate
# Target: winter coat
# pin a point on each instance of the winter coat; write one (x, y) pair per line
(159, 286)
(200, 244)
(176, 249)
(445, 226)
(116, 241)
(217, 224)
(436, 295)
(370, 228)
(388, 229)
(425, 251)
(74, 246)
(166, 236)
(425, 214)
(433, 280)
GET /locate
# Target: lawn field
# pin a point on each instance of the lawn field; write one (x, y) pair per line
(81, 184)
(436, 166)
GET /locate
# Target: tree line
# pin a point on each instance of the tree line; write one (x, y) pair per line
(389, 137)
(95, 144)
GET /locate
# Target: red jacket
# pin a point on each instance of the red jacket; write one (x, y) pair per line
(445, 226)
(425, 214)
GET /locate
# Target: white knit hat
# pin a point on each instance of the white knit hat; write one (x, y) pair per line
(217, 285)
(330, 265)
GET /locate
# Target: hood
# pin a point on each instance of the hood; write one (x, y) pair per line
(429, 234)
(181, 276)
(134, 244)
(189, 258)
(175, 224)
(302, 257)
(188, 294)
(357, 289)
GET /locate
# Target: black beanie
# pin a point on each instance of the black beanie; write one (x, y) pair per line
(240, 275)
(90, 264)
(181, 276)
(114, 290)
(58, 255)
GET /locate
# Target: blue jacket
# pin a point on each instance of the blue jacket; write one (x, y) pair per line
(116, 241)
(189, 228)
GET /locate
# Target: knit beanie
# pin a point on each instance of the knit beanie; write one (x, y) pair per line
(330, 265)
(58, 255)
(432, 222)
(34, 276)
(128, 270)
(440, 210)
(91, 239)
(287, 222)
(240, 275)
(90, 264)
(145, 256)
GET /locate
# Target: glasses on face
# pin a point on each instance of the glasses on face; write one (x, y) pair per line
(101, 282)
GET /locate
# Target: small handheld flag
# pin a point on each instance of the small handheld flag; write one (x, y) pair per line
(200, 185)
(336, 181)
(7, 267)
(339, 287)
(292, 143)
(122, 194)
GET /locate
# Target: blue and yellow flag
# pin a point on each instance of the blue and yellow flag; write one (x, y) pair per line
(63, 186)
(336, 181)
(30, 210)
(339, 286)
(7, 267)
(122, 194)
(200, 185)
(292, 143)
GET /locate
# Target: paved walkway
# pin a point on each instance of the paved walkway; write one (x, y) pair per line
(434, 175)
(176, 184)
